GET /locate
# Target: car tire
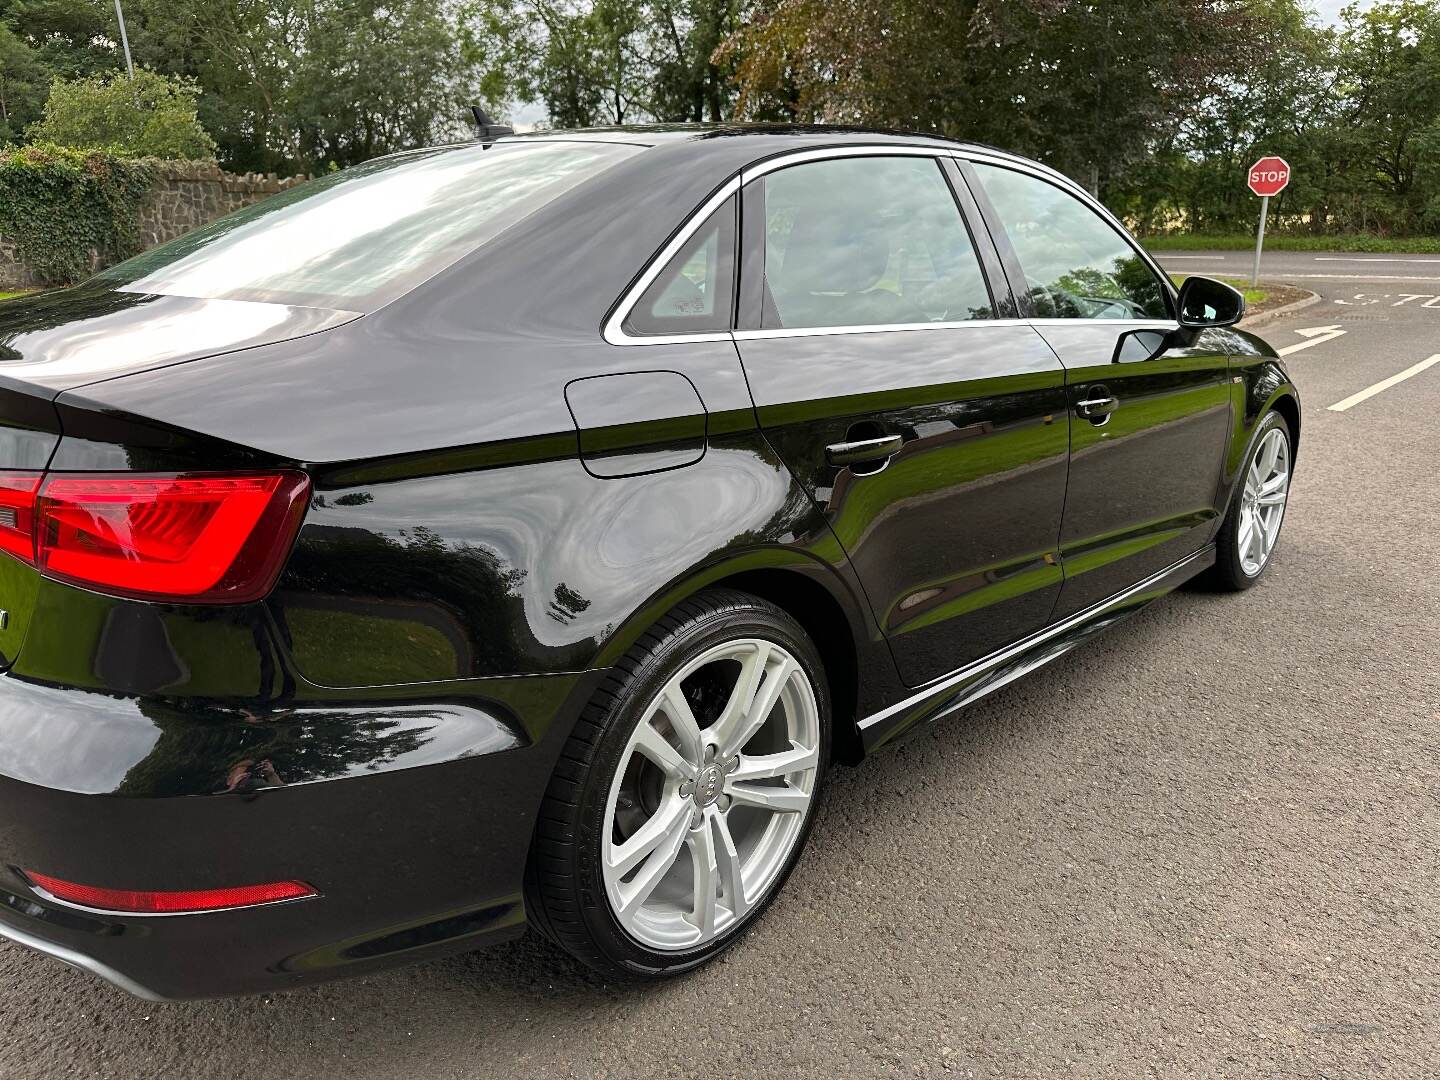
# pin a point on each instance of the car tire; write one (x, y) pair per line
(1246, 544)
(616, 788)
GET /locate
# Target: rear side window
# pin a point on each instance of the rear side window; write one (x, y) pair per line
(695, 293)
(868, 241)
(1076, 265)
(360, 237)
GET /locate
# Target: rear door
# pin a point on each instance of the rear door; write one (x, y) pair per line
(1148, 428)
(925, 420)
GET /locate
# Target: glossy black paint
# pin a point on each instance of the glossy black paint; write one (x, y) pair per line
(503, 503)
(1141, 491)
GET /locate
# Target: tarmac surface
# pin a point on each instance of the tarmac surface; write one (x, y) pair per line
(1203, 845)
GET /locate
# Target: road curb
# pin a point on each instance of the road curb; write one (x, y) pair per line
(1285, 309)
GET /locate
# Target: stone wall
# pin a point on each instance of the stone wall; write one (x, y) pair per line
(186, 194)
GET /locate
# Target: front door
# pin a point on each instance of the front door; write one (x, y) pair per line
(932, 434)
(1148, 426)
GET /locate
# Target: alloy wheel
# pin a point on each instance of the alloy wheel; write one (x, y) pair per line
(711, 794)
(1262, 502)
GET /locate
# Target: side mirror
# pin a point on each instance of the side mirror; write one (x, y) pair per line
(1206, 303)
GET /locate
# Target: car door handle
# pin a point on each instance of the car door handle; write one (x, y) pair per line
(1097, 405)
(864, 450)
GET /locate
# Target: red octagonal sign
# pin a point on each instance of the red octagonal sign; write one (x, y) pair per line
(1269, 175)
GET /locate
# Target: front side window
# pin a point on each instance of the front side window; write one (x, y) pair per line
(695, 293)
(1076, 265)
(867, 241)
(360, 237)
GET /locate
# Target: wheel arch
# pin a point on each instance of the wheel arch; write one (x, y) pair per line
(825, 621)
(818, 597)
(1288, 406)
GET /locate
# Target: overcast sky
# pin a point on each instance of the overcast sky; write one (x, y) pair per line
(1330, 9)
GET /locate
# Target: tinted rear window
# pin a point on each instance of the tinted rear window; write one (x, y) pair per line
(358, 238)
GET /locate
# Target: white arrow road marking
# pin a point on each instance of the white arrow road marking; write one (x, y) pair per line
(1384, 384)
(1317, 335)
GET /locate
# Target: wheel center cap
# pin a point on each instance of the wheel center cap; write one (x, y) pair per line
(708, 785)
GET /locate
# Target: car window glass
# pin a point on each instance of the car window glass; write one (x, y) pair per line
(695, 293)
(362, 236)
(1076, 265)
(868, 241)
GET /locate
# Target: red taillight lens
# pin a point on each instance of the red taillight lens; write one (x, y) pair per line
(181, 537)
(170, 903)
(17, 513)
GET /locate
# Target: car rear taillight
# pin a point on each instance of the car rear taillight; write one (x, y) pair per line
(180, 537)
(142, 902)
(17, 514)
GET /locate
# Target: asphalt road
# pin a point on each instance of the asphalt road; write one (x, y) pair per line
(1203, 845)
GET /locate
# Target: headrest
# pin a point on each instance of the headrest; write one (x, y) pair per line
(833, 253)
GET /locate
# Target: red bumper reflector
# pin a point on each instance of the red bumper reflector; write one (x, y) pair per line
(170, 903)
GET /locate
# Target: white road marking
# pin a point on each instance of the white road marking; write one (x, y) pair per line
(1354, 277)
(1344, 258)
(1283, 276)
(1316, 335)
(1384, 384)
(1202, 258)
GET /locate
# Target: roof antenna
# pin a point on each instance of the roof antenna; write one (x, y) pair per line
(486, 130)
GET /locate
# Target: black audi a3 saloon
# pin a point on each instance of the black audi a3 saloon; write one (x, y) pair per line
(516, 532)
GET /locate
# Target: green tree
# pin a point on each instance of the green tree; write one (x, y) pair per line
(148, 116)
(690, 83)
(607, 61)
(24, 84)
(69, 38)
(586, 62)
(1088, 86)
(295, 85)
(1389, 63)
(373, 78)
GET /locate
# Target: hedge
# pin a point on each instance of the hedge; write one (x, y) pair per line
(62, 207)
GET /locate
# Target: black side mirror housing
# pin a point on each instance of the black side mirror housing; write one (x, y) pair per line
(1206, 303)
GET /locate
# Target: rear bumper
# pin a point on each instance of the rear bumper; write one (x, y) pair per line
(412, 820)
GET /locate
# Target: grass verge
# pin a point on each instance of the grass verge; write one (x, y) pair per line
(1252, 296)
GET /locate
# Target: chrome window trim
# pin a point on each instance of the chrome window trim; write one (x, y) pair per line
(614, 328)
(869, 328)
(825, 153)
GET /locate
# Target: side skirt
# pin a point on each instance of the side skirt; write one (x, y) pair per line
(958, 689)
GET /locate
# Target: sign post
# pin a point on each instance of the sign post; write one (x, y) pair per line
(1268, 176)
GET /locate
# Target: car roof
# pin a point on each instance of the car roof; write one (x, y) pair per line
(820, 134)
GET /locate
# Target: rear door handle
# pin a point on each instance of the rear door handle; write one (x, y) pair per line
(864, 450)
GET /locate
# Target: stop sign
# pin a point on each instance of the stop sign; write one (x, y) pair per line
(1269, 175)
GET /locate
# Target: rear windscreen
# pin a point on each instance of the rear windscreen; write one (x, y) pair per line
(358, 238)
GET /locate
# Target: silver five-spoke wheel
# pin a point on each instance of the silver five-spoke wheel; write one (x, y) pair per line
(1262, 502)
(711, 794)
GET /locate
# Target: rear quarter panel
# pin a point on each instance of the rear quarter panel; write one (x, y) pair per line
(455, 532)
